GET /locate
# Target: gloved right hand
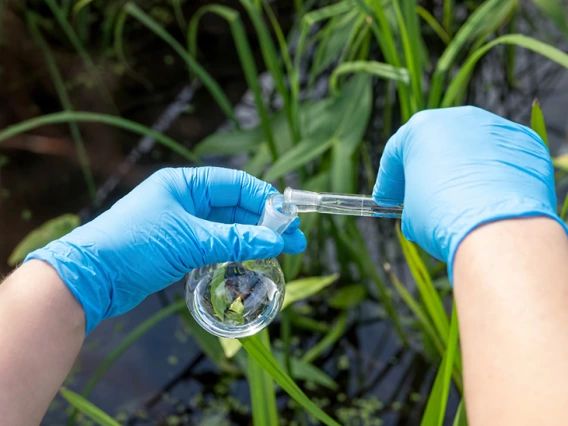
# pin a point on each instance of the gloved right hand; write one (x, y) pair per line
(458, 168)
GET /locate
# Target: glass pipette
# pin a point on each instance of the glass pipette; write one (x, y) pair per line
(342, 204)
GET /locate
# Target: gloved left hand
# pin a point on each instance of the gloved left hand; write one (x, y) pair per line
(175, 221)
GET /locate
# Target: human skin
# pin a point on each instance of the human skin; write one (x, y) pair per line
(511, 290)
(42, 327)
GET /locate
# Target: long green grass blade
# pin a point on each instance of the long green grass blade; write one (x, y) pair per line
(262, 395)
(307, 21)
(520, 40)
(385, 38)
(433, 23)
(92, 117)
(306, 287)
(437, 402)
(425, 323)
(332, 336)
(192, 64)
(423, 318)
(65, 103)
(428, 293)
(413, 57)
(378, 69)
(90, 410)
(246, 57)
(80, 5)
(555, 10)
(306, 151)
(262, 356)
(460, 418)
(564, 208)
(489, 15)
(305, 371)
(61, 19)
(537, 121)
(180, 17)
(271, 58)
(355, 243)
(447, 19)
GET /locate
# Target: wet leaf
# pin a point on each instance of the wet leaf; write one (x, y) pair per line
(49, 231)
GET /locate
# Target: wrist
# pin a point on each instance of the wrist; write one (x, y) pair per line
(78, 270)
(502, 210)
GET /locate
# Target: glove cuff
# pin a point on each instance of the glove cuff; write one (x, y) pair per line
(76, 269)
(504, 209)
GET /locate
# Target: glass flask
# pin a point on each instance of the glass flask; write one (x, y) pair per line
(238, 299)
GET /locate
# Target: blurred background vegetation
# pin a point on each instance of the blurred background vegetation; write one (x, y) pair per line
(97, 95)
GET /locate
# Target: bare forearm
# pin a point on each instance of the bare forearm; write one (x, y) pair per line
(511, 287)
(41, 331)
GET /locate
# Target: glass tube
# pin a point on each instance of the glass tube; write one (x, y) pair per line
(341, 204)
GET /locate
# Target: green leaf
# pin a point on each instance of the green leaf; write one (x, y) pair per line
(339, 119)
(92, 117)
(383, 34)
(237, 141)
(230, 346)
(428, 293)
(333, 335)
(306, 287)
(257, 351)
(564, 208)
(258, 163)
(88, 409)
(486, 18)
(436, 407)
(304, 371)
(349, 296)
(44, 234)
(520, 40)
(423, 319)
(80, 5)
(413, 52)
(219, 294)
(262, 394)
(556, 11)
(537, 121)
(433, 23)
(301, 154)
(461, 418)
(378, 69)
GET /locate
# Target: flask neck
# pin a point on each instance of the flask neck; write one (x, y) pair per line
(273, 215)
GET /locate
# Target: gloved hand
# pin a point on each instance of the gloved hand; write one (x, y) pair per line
(458, 168)
(175, 221)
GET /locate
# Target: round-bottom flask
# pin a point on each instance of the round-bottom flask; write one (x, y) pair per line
(238, 299)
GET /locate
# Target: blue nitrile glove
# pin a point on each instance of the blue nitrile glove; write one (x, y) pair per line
(458, 168)
(175, 221)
